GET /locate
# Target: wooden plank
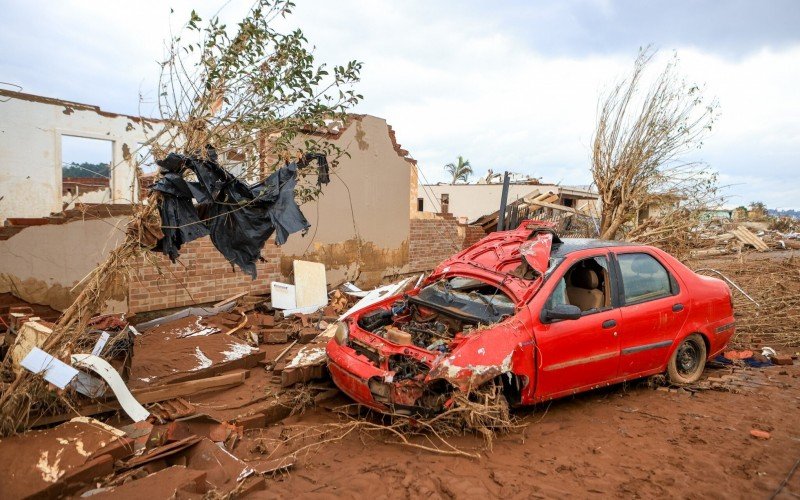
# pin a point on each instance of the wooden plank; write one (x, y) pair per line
(153, 395)
(230, 299)
(746, 236)
(554, 206)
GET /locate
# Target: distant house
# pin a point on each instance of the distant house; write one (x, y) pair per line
(469, 202)
(717, 213)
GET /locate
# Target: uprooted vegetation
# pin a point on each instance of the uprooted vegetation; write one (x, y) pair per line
(244, 90)
(769, 313)
(484, 413)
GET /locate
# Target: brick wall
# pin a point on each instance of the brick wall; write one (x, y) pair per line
(434, 240)
(201, 275)
(473, 235)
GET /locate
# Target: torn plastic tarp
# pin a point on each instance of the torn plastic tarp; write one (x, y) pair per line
(238, 217)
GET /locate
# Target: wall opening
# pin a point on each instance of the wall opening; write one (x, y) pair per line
(420, 205)
(85, 170)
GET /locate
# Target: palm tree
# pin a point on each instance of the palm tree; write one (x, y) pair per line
(461, 170)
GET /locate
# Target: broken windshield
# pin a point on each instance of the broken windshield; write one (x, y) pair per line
(468, 297)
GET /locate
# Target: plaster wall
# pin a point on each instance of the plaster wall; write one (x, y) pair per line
(360, 223)
(30, 150)
(42, 264)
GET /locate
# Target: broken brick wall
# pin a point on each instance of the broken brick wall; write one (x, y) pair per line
(435, 239)
(473, 235)
(201, 275)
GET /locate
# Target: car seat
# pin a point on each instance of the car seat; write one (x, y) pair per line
(583, 289)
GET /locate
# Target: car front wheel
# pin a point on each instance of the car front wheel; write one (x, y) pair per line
(688, 361)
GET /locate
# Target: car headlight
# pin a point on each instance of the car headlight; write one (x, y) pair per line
(342, 333)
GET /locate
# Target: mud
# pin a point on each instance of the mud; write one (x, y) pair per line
(627, 440)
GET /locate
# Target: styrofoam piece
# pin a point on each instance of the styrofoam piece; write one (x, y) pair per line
(351, 289)
(135, 411)
(100, 344)
(376, 295)
(302, 310)
(55, 371)
(310, 285)
(282, 295)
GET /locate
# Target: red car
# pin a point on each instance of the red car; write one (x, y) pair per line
(539, 316)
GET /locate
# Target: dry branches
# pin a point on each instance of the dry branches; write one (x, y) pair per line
(773, 316)
(484, 412)
(250, 92)
(639, 144)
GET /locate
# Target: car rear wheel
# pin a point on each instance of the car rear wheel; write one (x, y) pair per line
(688, 361)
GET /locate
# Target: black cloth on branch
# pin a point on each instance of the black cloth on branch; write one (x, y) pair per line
(238, 217)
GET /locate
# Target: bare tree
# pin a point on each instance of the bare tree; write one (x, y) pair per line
(639, 148)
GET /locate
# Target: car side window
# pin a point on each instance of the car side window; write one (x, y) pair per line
(586, 284)
(643, 278)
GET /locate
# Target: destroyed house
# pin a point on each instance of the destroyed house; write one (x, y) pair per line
(470, 202)
(69, 180)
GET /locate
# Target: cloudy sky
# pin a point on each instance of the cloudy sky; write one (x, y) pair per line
(509, 85)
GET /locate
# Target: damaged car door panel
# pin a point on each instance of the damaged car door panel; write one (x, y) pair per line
(539, 316)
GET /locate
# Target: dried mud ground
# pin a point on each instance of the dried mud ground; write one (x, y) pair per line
(626, 440)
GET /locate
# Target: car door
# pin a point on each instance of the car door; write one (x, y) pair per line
(579, 353)
(654, 307)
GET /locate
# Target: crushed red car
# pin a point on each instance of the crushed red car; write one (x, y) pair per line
(539, 317)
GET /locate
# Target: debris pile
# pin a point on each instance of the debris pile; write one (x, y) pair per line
(769, 313)
(167, 404)
(718, 237)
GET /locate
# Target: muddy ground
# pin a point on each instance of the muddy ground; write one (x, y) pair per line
(628, 440)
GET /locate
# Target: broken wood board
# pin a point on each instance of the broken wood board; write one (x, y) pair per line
(177, 481)
(154, 395)
(746, 236)
(308, 364)
(310, 284)
(31, 334)
(555, 206)
(230, 299)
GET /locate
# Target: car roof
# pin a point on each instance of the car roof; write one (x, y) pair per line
(569, 245)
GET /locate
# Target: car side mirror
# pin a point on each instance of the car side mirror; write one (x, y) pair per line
(562, 311)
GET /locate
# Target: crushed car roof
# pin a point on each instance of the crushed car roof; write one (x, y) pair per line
(569, 245)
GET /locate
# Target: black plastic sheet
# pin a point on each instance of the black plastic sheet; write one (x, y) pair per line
(238, 217)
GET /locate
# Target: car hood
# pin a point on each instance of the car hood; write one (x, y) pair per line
(514, 260)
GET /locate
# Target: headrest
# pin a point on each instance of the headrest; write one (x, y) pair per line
(584, 278)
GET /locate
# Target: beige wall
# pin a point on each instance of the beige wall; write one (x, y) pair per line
(42, 264)
(360, 224)
(30, 150)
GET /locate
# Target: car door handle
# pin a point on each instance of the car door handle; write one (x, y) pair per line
(609, 323)
(677, 308)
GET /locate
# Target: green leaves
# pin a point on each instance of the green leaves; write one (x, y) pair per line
(251, 89)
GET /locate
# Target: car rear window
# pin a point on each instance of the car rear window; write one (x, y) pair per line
(643, 278)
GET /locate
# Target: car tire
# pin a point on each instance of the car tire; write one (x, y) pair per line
(687, 363)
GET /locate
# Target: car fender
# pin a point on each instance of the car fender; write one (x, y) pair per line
(486, 355)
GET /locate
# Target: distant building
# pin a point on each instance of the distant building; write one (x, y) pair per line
(469, 202)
